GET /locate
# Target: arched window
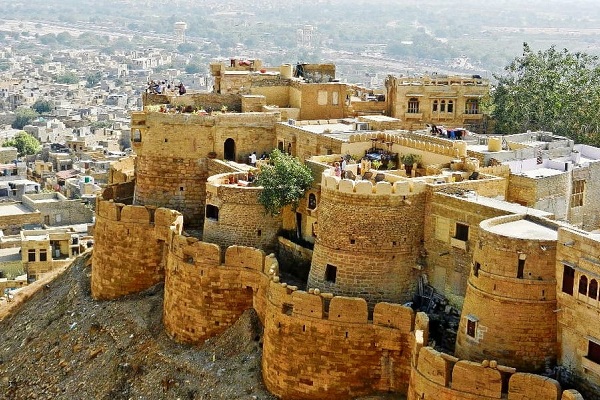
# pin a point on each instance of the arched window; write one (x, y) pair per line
(443, 106)
(312, 201)
(413, 105)
(583, 284)
(593, 291)
(435, 106)
(450, 106)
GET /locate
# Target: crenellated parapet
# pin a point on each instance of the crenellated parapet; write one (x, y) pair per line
(380, 249)
(445, 377)
(416, 143)
(129, 247)
(234, 215)
(344, 352)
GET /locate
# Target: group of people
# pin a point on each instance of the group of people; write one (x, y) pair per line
(165, 87)
(339, 168)
(253, 157)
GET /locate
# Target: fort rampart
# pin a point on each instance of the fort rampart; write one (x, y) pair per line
(129, 247)
(344, 353)
(440, 376)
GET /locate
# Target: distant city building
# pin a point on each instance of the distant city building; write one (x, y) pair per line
(180, 28)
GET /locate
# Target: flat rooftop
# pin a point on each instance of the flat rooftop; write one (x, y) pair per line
(540, 173)
(14, 209)
(524, 229)
(512, 208)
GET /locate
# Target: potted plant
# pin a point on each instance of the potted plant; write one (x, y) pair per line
(409, 160)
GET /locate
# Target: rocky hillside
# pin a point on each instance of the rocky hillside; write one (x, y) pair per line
(62, 344)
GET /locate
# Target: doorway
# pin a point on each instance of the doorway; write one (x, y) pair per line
(229, 150)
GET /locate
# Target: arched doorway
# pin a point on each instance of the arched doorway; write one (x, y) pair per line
(229, 150)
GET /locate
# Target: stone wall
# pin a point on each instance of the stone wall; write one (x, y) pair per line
(129, 251)
(449, 260)
(551, 193)
(12, 223)
(122, 170)
(578, 308)
(168, 177)
(343, 353)
(203, 297)
(368, 239)
(514, 269)
(237, 218)
(59, 211)
(440, 376)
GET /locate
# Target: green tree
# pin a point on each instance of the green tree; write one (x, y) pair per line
(68, 78)
(551, 90)
(42, 106)
(93, 79)
(284, 181)
(23, 116)
(25, 143)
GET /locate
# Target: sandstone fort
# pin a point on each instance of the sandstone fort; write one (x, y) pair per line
(500, 227)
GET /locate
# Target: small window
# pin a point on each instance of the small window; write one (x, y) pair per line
(435, 106)
(312, 201)
(476, 268)
(583, 285)
(43, 255)
(330, 273)
(450, 106)
(521, 268)
(413, 105)
(568, 280)
(137, 135)
(593, 290)
(593, 352)
(212, 212)
(31, 255)
(577, 193)
(443, 106)
(472, 106)
(462, 232)
(471, 326)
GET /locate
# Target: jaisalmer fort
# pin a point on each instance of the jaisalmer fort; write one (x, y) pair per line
(498, 229)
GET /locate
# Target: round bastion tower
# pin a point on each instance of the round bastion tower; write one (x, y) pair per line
(171, 164)
(509, 309)
(368, 239)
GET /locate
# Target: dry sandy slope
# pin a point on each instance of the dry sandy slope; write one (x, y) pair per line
(61, 344)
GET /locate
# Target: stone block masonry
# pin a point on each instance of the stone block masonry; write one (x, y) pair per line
(129, 252)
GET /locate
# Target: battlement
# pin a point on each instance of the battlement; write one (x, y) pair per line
(443, 376)
(338, 309)
(151, 116)
(398, 186)
(119, 212)
(445, 147)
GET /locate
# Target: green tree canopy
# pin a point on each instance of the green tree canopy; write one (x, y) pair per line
(25, 143)
(42, 106)
(550, 90)
(284, 181)
(24, 116)
(67, 77)
(93, 79)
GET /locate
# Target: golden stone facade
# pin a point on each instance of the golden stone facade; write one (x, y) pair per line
(374, 239)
